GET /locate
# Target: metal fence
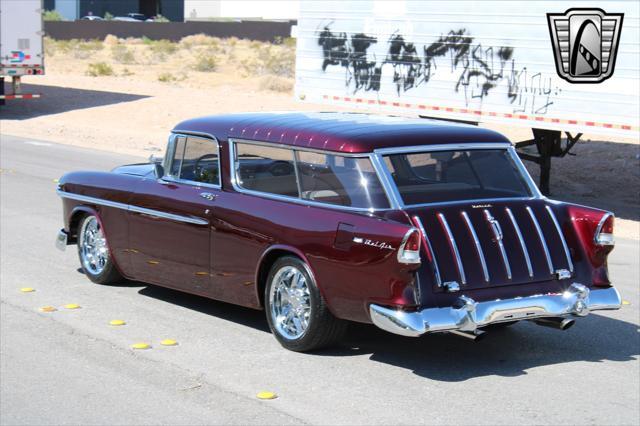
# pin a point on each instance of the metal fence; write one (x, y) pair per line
(174, 31)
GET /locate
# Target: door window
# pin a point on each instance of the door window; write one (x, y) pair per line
(196, 159)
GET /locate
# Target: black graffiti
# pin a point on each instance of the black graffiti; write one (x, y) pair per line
(478, 69)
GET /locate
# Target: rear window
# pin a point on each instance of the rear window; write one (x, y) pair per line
(431, 177)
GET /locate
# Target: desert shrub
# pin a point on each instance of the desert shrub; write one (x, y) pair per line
(111, 40)
(166, 77)
(160, 18)
(99, 69)
(162, 48)
(122, 54)
(83, 49)
(52, 15)
(276, 84)
(108, 16)
(205, 63)
(50, 46)
(267, 58)
(126, 72)
(200, 40)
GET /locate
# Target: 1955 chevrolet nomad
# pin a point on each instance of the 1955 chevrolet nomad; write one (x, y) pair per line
(416, 226)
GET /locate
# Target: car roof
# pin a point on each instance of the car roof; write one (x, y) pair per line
(338, 131)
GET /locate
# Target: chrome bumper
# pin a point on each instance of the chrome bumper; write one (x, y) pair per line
(61, 240)
(467, 315)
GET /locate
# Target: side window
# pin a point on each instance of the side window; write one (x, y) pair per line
(178, 154)
(344, 181)
(266, 169)
(196, 159)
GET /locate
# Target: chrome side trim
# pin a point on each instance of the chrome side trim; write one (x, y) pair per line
(476, 241)
(543, 242)
(497, 233)
(436, 269)
(131, 208)
(523, 246)
(454, 248)
(239, 189)
(567, 253)
(466, 314)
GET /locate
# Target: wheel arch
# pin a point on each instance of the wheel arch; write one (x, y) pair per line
(74, 219)
(268, 258)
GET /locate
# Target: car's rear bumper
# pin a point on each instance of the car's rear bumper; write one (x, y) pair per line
(468, 315)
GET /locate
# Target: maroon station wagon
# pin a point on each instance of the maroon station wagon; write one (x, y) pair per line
(416, 226)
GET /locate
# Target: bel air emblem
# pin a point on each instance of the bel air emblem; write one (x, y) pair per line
(585, 43)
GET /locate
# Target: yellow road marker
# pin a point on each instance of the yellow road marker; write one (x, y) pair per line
(71, 306)
(168, 342)
(266, 395)
(140, 346)
(626, 302)
(27, 289)
(47, 309)
(117, 322)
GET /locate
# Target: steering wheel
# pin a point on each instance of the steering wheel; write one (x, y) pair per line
(198, 170)
(280, 168)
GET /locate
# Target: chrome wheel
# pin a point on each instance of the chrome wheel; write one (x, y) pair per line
(290, 302)
(93, 246)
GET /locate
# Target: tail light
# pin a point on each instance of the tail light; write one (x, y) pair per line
(604, 231)
(409, 251)
(594, 229)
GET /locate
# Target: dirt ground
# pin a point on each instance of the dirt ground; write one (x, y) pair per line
(151, 89)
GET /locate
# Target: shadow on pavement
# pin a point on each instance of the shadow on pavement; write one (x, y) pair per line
(507, 352)
(56, 100)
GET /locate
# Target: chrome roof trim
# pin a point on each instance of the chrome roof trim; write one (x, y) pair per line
(442, 147)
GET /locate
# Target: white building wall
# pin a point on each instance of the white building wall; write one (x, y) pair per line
(273, 9)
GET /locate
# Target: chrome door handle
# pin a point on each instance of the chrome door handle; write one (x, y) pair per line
(208, 196)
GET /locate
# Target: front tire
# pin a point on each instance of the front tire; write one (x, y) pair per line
(94, 254)
(296, 311)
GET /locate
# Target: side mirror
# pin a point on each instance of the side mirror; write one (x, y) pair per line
(158, 170)
(155, 159)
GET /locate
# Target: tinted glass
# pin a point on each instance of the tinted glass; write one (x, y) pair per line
(196, 159)
(340, 180)
(432, 177)
(265, 169)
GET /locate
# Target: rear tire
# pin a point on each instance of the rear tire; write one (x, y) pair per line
(94, 254)
(296, 311)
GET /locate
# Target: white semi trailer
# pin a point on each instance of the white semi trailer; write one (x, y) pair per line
(21, 46)
(561, 66)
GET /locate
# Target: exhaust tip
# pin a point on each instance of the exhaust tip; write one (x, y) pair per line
(567, 324)
(476, 336)
(557, 323)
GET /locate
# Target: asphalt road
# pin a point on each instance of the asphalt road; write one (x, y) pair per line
(71, 367)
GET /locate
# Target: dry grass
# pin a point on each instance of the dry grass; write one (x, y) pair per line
(99, 69)
(276, 84)
(265, 66)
